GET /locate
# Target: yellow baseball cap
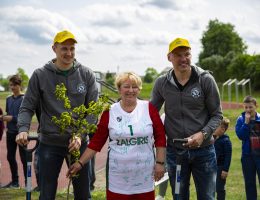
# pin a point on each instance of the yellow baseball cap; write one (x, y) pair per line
(178, 42)
(63, 36)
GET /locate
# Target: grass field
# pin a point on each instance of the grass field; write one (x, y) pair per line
(234, 187)
(235, 183)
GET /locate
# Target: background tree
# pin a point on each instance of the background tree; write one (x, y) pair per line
(150, 75)
(237, 67)
(24, 77)
(246, 66)
(214, 63)
(110, 78)
(220, 44)
(220, 39)
(254, 68)
(4, 82)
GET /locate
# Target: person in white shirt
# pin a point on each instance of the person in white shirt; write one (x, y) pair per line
(131, 125)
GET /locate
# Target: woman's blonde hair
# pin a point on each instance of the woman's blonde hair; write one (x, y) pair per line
(120, 78)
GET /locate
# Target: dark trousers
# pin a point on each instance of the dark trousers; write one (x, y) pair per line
(251, 169)
(220, 185)
(11, 157)
(50, 162)
(36, 165)
(92, 172)
(202, 164)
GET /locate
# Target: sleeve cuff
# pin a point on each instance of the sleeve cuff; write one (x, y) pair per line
(23, 129)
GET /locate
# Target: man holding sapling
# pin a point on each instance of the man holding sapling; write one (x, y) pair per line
(54, 145)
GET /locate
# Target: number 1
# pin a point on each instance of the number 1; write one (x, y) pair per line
(131, 130)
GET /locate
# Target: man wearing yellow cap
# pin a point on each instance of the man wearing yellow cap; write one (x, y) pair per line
(192, 111)
(54, 146)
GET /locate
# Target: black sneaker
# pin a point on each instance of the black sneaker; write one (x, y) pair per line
(12, 185)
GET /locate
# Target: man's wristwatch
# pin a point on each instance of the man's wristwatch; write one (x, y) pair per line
(205, 134)
(160, 163)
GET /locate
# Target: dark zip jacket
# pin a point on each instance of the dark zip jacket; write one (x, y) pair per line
(223, 147)
(197, 107)
(12, 108)
(81, 89)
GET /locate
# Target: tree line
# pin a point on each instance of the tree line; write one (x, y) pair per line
(223, 52)
(5, 81)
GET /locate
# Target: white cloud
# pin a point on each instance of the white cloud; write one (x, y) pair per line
(129, 34)
(34, 25)
(118, 16)
(168, 4)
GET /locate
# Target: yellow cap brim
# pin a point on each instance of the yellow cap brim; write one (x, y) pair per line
(178, 42)
(63, 36)
(170, 50)
(64, 39)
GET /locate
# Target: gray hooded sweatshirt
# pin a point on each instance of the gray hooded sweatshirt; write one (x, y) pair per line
(197, 107)
(81, 89)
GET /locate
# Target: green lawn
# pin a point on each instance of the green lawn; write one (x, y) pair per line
(234, 187)
(235, 183)
(20, 194)
(3, 96)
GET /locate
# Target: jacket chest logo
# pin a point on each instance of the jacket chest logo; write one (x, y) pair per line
(195, 92)
(81, 88)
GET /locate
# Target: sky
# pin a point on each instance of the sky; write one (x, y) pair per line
(116, 35)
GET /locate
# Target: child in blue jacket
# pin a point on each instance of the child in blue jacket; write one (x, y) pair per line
(248, 130)
(223, 147)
